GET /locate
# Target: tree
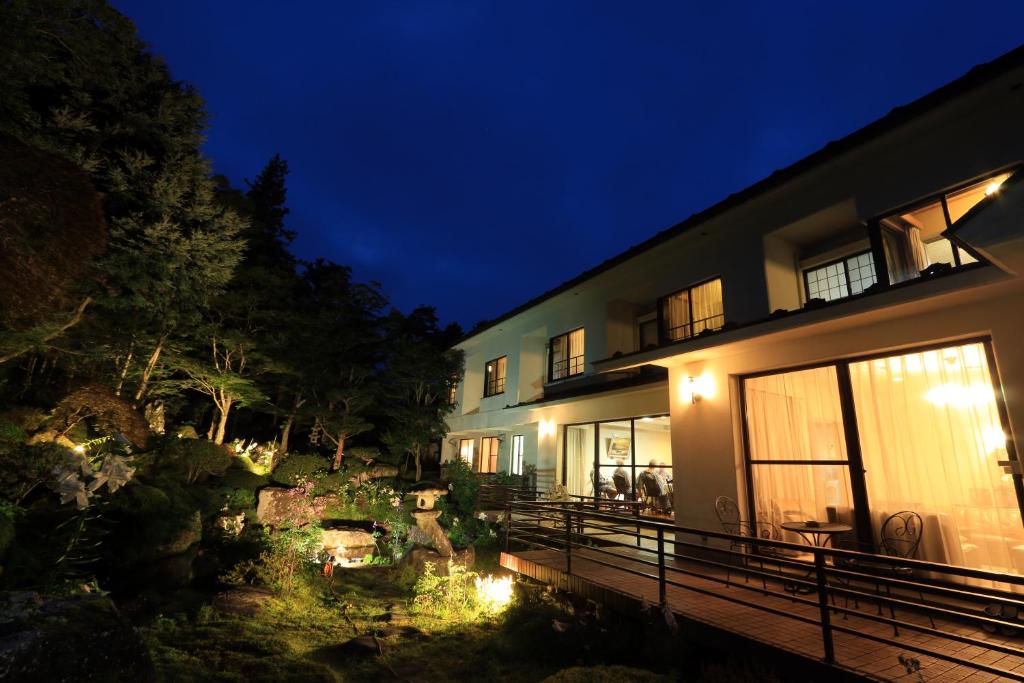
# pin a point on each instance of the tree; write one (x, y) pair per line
(421, 369)
(340, 336)
(75, 79)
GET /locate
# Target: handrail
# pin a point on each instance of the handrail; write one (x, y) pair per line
(563, 525)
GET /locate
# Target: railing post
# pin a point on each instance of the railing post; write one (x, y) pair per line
(826, 623)
(568, 541)
(636, 508)
(661, 566)
(508, 523)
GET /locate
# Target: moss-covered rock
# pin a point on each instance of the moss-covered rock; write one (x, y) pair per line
(80, 638)
(605, 674)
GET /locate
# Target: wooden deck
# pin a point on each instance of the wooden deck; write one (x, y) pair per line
(854, 654)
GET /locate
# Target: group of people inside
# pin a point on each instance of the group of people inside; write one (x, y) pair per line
(652, 484)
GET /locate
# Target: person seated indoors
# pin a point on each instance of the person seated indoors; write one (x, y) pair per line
(602, 487)
(656, 486)
(621, 479)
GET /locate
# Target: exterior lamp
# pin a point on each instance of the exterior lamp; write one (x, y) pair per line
(546, 427)
(691, 390)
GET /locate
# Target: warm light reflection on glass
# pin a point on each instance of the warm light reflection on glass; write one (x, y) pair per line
(960, 396)
(993, 187)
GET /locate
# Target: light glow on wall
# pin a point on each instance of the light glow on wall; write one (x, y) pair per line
(546, 427)
(694, 389)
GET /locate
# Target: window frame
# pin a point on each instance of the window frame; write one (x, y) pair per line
(516, 454)
(663, 333)
(856, 473)
(472, 451)
(491, 387)
(846, 274)
(492, 459)
(875, 227)
(568, 358)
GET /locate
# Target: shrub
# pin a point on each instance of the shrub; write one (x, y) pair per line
(197, 458)
(299, 466)
(287, 554)
(464, 488)
(451, 598)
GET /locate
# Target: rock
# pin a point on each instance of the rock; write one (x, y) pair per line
(78, 638)
(373, 472)
(348, 544)
(361, 646)
(184, 538)
(230, 525)
(418, 536)
(418, 557)
(243, 600)
(175, 571)
(426, 521)
(289, 507)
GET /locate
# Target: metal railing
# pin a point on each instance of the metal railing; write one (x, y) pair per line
(816, 577)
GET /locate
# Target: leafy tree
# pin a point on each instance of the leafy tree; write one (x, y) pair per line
(76, 79)
(341, 339)
(421, 369)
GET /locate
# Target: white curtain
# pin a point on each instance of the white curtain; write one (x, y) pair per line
(797, 416)
(579, 460)
(918, 253)
(676, 315)
(576, 351)
(931, 437)
(707, 306)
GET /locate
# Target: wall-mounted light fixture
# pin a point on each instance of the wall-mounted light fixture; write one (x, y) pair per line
(546, 427)
(693, 389)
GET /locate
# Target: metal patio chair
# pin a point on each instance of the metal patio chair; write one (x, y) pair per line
(732, 523)
(900, 537)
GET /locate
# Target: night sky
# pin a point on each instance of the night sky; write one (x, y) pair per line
(471, 155)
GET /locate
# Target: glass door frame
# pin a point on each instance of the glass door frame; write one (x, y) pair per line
(595, 472)
(854, 461)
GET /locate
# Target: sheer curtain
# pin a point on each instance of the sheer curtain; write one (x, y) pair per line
(796, 416)
(931, 437)
(676, 315)
(707, 306)
(576, 351)
(577, 461)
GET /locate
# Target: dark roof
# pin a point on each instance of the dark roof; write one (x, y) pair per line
(976, 77)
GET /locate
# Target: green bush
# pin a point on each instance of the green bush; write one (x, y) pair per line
(464, 489)
(197, 459)
(242, 479)
(297, 467)
(287, 556)
(605, 674)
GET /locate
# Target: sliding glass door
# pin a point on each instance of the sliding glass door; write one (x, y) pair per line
(918, 431)
(797, 448)
(932, 441)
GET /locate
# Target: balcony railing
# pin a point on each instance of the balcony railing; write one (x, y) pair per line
(954, 607)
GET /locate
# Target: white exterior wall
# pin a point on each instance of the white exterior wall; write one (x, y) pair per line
(749, 247)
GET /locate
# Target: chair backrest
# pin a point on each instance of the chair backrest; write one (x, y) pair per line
(728, 514)
(901, 534)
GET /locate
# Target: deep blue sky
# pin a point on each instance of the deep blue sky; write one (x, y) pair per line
(470, 155)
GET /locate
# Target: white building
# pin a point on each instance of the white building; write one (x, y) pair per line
(845, 337)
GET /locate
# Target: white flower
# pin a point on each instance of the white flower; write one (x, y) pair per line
(70, 487)
(482, 517)
(115, 473)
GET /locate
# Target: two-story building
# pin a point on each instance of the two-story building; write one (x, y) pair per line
(844, 339)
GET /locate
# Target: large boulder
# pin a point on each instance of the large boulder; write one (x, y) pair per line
(373, 472)
(284, 507)
(243, 600)
(79, 638)
(187, 535)
(348, 544)
(417, 558)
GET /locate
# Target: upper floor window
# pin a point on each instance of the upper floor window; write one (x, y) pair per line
(912, 238)
(453, 392)
(840, 278)
(489, 454)
(494, 376)
(565, 357)
(691, 311)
